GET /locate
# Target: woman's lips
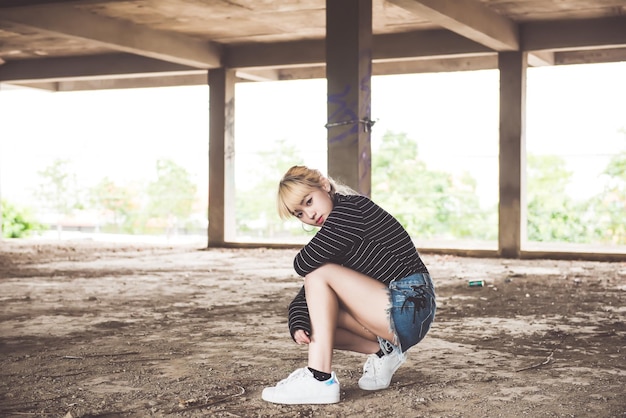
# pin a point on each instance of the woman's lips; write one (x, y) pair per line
(320, 220)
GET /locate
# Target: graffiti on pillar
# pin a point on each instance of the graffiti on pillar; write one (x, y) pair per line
(342, 113)
(345, 111)
(366, 85)
(365, 157)
(229, 130)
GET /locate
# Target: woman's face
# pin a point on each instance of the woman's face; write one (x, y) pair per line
(314, 207)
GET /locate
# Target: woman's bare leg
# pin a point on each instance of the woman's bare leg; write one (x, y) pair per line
(323, 307)
(363, 298)
(350, 335)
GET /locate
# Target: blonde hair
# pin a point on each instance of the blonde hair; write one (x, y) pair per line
(299, 181)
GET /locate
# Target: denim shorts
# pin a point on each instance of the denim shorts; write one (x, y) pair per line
(412, 309)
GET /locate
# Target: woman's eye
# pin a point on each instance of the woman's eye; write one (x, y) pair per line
(309, 201)
(298, 214)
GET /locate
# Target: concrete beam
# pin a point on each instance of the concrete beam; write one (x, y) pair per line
(541, 58)
(468, 18)
(607, 32)
(257, 74)
(590, 56)
(408, 45)
(106, 66)
(198, 78)
(435, 65)
(117, 34)
(123, 83)
(424, 44)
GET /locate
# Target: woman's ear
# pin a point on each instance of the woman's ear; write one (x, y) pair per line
(326, 184)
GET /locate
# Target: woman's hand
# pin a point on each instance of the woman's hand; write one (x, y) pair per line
(301, 337)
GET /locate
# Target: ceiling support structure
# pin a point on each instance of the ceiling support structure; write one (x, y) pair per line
(117, 34)
(221, 156)
(349, 73)
(512, 158)
(472, 37)
(470, 19)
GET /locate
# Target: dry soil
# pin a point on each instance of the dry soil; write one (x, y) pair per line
(118, 330)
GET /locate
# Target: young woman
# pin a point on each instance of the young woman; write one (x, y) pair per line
(365, 289)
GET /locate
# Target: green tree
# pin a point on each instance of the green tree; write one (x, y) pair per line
(58, 190)
(608, 208)
(18, 222)
(117, 203)
(553, 216)
(429, 203)
(171, 196)
(256, 211)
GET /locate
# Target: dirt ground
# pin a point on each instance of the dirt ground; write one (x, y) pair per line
(106, 330)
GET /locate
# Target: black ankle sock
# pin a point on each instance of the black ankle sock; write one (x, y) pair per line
(380, 353)
(321, 376)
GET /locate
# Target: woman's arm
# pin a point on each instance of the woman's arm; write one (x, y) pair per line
(298, 317)
(331, 244)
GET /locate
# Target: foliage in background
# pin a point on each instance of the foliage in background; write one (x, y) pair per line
(18, 222)
(166, 204)
(171, 196)
(608, 209)
(552, 215)
(58, 190)
(118, 205)
(256, 212)
(430, 204)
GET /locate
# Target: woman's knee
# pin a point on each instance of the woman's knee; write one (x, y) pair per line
(321, 273)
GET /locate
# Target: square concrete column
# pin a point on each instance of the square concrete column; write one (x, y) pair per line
(221, 156)
(349, 72)
(512, 160)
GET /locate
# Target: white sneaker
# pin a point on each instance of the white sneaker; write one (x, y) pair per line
(378, 371)
(302, 388)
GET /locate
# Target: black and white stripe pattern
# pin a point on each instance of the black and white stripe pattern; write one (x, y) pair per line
(362, 236)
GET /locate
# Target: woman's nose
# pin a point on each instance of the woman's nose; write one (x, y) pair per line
(310, 213)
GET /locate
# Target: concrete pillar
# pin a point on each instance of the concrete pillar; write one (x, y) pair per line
(349, 71)
(221, 156)
(512, 160)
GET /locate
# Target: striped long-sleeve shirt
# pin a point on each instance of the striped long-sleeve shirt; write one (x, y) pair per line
(362, 236)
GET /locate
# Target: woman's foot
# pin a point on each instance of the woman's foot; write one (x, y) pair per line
(378, 371)
(302, 388)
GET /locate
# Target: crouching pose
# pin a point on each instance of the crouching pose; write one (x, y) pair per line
(365, 289)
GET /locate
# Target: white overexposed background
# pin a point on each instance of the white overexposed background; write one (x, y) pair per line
(573, 111)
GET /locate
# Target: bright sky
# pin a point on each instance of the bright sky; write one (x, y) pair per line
(576, 111)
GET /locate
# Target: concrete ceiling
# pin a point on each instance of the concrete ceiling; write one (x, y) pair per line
(91, 44)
